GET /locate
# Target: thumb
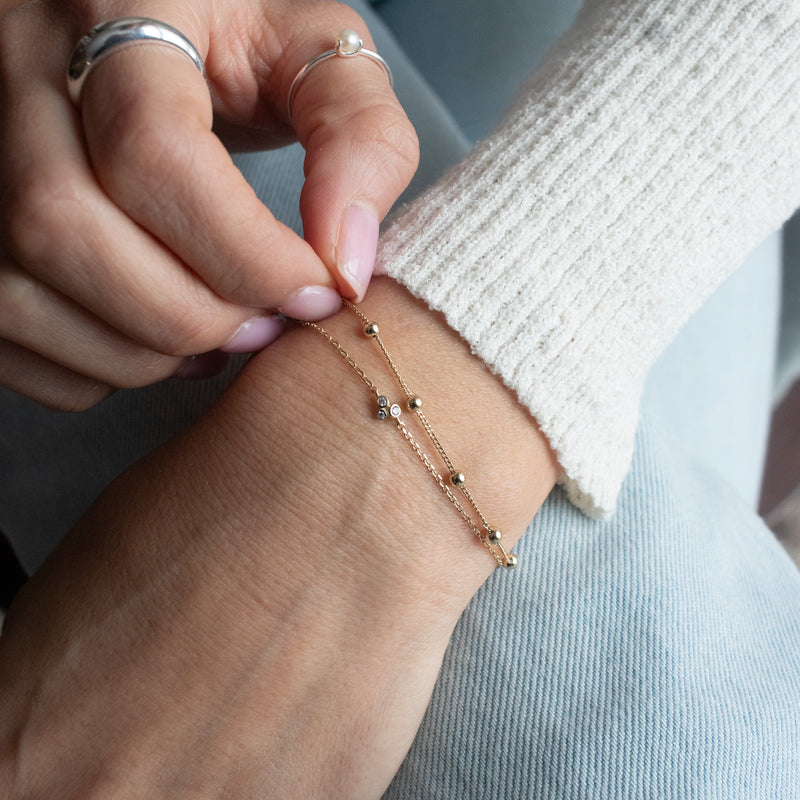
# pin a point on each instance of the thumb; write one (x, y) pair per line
(361, 153)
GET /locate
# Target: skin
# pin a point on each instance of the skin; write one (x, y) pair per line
(259, 609)
(128, 239)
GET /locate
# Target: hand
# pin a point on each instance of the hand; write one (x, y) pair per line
(128, 239)
(260, 609)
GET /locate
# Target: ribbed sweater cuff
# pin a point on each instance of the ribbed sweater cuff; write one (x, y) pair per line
(657, 146)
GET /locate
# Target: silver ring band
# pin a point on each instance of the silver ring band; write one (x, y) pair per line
(113, 34)
(348, 44)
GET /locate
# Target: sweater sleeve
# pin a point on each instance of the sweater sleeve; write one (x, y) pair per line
(657, 145)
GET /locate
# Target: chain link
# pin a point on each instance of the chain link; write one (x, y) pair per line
(486, 533)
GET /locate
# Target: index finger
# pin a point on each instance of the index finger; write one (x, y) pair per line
(147, 119)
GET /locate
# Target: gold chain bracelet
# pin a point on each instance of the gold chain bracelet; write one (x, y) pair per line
(487, 534)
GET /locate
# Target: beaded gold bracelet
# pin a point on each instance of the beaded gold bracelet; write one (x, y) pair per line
(489, 535)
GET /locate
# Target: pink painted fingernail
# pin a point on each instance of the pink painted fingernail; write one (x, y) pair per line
(355, 250)
(311, 303)
(205, 365)
(253, 335)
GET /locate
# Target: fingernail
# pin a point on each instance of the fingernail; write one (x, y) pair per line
(253, 335)
(355, 250)
(205, 365)
(313, 302)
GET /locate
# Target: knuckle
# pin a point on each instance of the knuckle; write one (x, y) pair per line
(382, 136)
(245, 281)
(399, 146)
(18, 295)
(40, 216)
(139, 159)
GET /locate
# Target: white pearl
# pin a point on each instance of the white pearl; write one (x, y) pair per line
(349, 42)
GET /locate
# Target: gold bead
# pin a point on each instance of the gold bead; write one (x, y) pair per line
(458, 479)
(414, 403)
(511, 561)
(372, 329)
(495, 535)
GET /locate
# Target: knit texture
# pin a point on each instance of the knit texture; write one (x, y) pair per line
(657, 145)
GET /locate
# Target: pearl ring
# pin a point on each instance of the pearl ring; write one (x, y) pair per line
(348, 44)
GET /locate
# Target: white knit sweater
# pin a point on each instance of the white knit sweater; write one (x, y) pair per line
(655, 148)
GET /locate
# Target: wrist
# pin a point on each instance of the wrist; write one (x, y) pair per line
(487, 433)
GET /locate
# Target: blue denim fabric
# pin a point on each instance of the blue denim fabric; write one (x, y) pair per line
(653, 656)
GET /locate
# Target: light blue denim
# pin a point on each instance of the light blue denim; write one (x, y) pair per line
(656, 655)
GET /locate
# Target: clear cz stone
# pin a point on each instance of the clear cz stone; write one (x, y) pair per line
(382, 414)
(382, 402)
(395, 410)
